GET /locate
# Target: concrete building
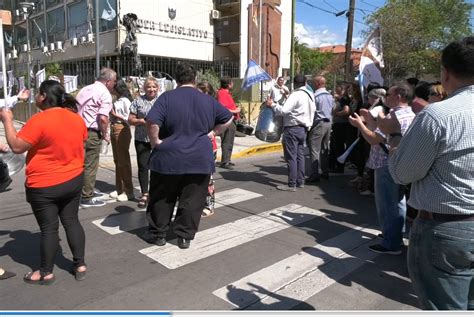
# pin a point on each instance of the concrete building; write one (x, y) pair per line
(220, 35)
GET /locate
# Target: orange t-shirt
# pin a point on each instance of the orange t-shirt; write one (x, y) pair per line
(56, 155)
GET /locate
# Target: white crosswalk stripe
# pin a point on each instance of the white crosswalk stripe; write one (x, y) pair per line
(218, 239)
(298, 277)
(119, 223)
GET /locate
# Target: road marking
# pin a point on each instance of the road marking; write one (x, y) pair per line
(293, 280)
(218, 239)
(118, 223)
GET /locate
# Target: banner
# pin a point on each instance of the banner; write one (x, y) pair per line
(254, 74)
(40, 77)
(70, 83)
(371, 60)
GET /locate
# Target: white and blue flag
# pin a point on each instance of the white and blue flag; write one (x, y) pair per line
(254, 74)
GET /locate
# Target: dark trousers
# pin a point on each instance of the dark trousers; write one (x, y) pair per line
(318, 142)
(341, 138)
(165, 190)
(360, 155)
(227, 143)
(143, 150)
(48, 204)
(293, 148)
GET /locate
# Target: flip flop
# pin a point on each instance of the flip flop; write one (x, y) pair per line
(7, 274)
(41, 281)
(207, 212)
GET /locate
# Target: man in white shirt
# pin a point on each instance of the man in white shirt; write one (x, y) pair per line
(279, 92)
(298, 113)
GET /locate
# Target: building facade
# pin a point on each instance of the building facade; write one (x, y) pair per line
(218, 35)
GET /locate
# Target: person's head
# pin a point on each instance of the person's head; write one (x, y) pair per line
(122, 90)
(457, 61)
(437, 92)
(226, 82)
(52, 94)
(412, 81)
(422, 90)
(108, 77)
(206, 88)
(340, 90)
(299, 81)
(151, 87)
(356, 94)
(185, 74)
(319, 82)
(280, 81)
(372, 85)
(376, 95)
(398, 95)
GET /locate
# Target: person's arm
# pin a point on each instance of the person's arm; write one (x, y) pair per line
(17, 145)
(132, 118)
(344, 112)
(370, 136)
(416, 151)
(103, 123)
(153, 131)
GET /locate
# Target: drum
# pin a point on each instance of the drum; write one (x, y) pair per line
(15, 162)
(244, 128)
(269, 126)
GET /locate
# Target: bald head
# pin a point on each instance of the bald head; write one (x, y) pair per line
(319, 82)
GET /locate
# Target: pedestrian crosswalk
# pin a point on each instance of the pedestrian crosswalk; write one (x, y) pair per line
(281, 285)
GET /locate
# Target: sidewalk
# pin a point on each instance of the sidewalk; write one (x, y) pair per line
(243, 147)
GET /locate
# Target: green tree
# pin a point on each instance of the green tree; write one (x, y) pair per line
(313, 61)
(299, 47)
(415, 31)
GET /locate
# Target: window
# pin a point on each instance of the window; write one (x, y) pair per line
(37, 32)
(52, 3)
(56, 25)
(108, 15)
(77, 19)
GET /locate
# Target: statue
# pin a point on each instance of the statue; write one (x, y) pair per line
(129, 47)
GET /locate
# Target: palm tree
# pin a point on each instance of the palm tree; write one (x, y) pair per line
(299, 47)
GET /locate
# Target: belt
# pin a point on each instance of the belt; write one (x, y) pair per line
(296, 126)
(427, 215)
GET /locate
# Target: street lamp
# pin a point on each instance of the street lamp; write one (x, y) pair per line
(25, 10)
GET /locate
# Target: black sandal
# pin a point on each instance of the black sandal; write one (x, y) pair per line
(80, 276)
(41, 281)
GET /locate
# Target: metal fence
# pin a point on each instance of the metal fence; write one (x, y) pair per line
(158, 66)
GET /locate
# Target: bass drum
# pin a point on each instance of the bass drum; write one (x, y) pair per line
(269, 126)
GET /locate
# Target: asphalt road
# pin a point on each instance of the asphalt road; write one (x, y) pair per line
(263, 249)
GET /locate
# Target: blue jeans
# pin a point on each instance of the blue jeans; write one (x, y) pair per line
(293, 146)
(441, 263)
(391, 208)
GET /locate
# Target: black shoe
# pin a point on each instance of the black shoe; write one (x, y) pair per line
(312, 180)
(378, 248)
(4, 184)
(183, 243)
(153, 239)
(226, 166)
(231, 164)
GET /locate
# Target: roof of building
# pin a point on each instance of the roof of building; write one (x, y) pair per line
(336, 49)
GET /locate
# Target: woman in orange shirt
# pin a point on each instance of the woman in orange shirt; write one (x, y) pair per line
(54, 139)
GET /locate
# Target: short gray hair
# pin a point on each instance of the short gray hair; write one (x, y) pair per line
(151, 79)
(377, 93)
(107, 74)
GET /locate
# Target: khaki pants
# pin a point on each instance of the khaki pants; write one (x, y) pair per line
(91, 163)
(120, 137)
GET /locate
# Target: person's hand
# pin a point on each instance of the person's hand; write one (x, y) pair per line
(388, 124)
(6, 114)
(356, 121)
(4, 148)
(368, 119)
(211, 135)
(269, 102)
(24, 94)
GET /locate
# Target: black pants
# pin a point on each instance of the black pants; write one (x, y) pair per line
(227, 143)
(50, 202)
(165, 190)
(143, 150)
(341, 138)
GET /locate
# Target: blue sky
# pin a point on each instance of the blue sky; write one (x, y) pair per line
(317, 27)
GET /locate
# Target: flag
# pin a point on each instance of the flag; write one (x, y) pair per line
(70, 83)
(371, 60)
(254, 74)
(40, 77)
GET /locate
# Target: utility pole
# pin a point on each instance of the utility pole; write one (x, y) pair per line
(350, 26)
(97, 44)
(292, 50)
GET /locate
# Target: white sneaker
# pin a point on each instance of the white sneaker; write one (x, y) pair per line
(122, 197)
(114, 194)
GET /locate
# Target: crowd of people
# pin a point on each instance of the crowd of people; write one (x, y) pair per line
(412, 144)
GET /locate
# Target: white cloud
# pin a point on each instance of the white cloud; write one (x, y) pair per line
(316, 37)
(357, 42)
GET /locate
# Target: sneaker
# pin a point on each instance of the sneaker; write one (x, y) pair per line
(92, 202)
(153, 239)
(300, 186)
(122, 197)
(114, 194)
(367, 193)
(286, 188)
(183, 243)
(98, 194)
(378, 248)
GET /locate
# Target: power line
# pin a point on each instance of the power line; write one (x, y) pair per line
(370, 4)
(331, 5)
(315, 7)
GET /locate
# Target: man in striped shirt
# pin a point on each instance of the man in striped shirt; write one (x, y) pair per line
(436, 155)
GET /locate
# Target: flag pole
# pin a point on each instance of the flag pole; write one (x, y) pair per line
(4, 67)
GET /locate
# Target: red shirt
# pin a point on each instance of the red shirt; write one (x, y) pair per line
(56, 155)
(225, 98)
